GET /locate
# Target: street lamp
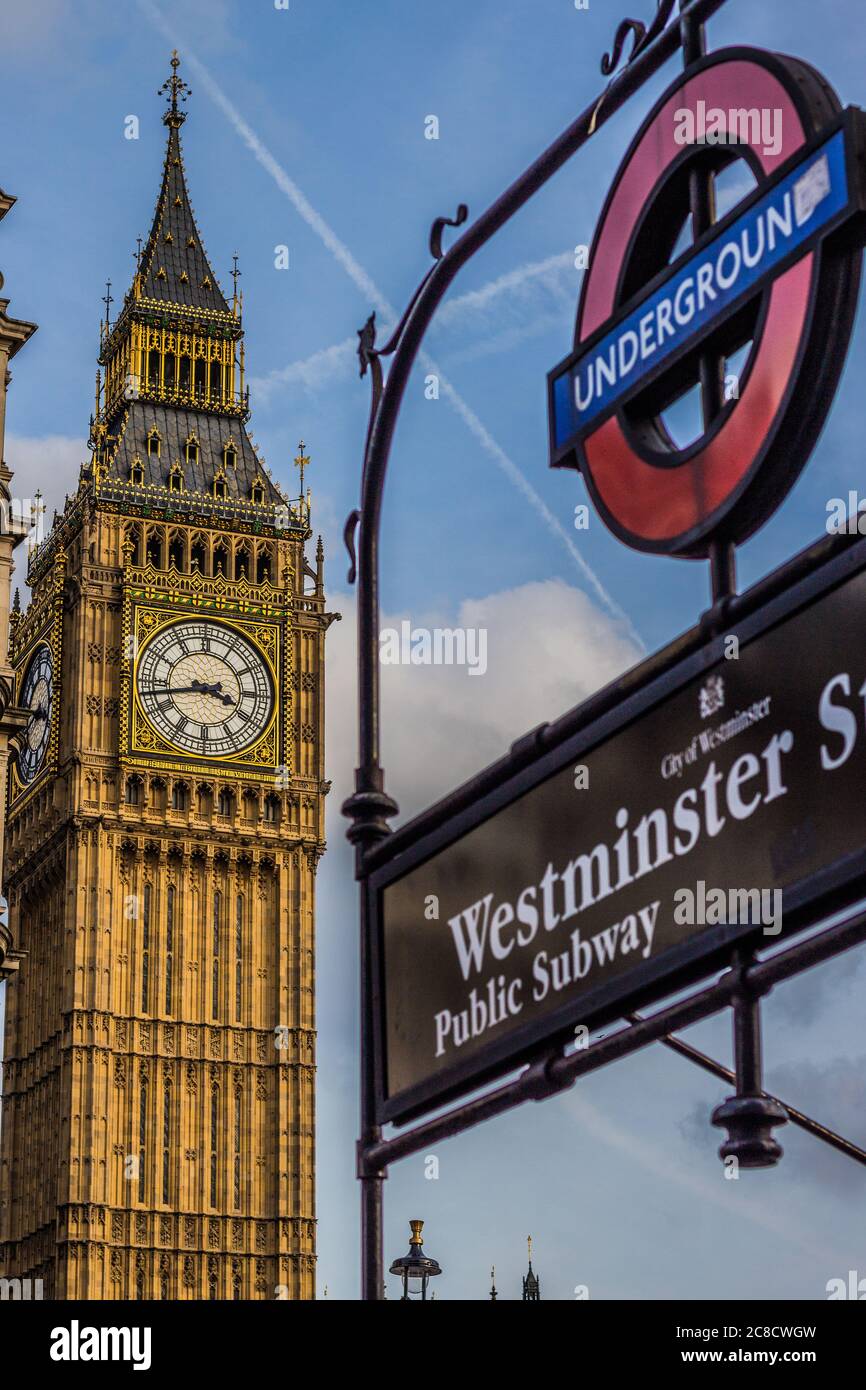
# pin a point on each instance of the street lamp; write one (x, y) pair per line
(415, 1264)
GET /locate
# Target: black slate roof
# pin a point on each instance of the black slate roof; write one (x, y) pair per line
(175, 425)
(174, 247)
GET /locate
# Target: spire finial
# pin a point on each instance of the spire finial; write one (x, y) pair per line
(302, 462)
(529, 1248)
(235, 275)
(174, 87)
(493, 1293)
(107, 300)
(38, 511)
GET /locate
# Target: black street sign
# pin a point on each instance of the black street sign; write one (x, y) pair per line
(723, 800)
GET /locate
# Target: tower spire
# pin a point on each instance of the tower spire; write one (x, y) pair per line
(175, 404)
(173, 267)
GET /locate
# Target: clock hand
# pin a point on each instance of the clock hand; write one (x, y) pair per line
(197, 688)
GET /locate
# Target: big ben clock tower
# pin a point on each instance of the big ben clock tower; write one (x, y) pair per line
(165, 820)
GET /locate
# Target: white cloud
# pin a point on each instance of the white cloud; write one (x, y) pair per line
(34, 28)
(548, 648)
(49, 463)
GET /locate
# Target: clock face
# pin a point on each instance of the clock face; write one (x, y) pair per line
(37, 692)
(204, 688)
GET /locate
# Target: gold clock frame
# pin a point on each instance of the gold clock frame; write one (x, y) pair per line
(141, 740)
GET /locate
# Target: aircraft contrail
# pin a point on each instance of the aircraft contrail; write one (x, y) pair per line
(370, 290)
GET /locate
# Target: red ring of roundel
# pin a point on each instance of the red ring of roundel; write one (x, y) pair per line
(657, 505)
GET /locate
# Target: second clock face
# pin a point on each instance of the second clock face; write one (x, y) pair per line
(205, 688)
(36, 697)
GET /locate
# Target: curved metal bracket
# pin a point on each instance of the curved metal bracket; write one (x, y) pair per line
(439, 226)
(349, 530)
(369, 357)
(367, 344)
(641, 37)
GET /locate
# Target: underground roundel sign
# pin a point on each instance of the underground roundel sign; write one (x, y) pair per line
(775, 279)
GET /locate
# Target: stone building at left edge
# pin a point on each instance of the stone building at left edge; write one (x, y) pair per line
(14, 526)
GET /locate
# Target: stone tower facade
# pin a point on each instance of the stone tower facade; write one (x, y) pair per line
(14, 526)
(165, 821)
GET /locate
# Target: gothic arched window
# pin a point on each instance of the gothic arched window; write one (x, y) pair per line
(242, 562)
(237, 1151)
(176, 552)
(215, 982)
(198, 555)
(154, 549)
(214, 1137)
(169, 946)
(264, 565)
(221, 559)
(239, 955)
(166, 1141)
(145, 948)
(142, 1134)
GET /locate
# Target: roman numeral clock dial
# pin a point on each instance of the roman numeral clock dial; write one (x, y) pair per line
(205, 688)
(37, 693)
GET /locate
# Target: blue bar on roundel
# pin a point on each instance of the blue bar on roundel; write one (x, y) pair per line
(687, 304)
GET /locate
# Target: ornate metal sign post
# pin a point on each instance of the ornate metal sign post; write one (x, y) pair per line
(779, 272)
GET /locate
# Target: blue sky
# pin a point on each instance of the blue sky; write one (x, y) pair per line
(306, 129)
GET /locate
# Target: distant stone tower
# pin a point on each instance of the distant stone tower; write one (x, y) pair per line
(531, 1284)
(165, 820)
